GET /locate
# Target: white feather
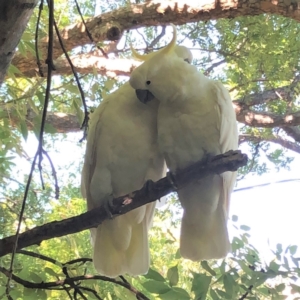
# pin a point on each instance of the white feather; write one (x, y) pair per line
(121, 155)
(195, 120)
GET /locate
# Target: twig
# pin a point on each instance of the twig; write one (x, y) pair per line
(37, 255)
(229, 161)
(69, 281)
(53, 174)
(82, 260)
(86, 114)
(214, 65)
(88, 32)
(73, 284)
(37, 38)
(254, 156)
(273, 139)
(39, 151)
(156, 40)
(246, 293)
(91, 291)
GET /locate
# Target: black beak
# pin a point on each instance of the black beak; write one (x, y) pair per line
(144, 95)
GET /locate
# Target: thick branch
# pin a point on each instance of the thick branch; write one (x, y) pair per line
(230, 161)
(264, 119)
(64, 122)
(111, 25)
(83, 64)
(293, 132)
(14, 16)
(264, 97)
(277, 140)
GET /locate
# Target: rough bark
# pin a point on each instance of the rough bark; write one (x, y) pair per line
(229, 161)
(255, 118)
(83, 64)
(64, 122)
(110, 26)
(14, 16)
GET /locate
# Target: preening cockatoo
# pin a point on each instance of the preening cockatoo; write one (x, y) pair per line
(195, 120)
(121, 155)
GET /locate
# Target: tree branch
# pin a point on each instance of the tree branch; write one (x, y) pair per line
(83, 64)
(294, 132)
(229, 161)
(274, 139)
(71, 281)
(111, 25)
(255, 118)
(14, 16)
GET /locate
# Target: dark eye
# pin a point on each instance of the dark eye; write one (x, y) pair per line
(148, 82)
(187, 60)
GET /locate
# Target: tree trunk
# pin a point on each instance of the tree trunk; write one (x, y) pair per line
(14, 16)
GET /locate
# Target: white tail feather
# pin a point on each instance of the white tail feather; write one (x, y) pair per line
(121, 245)
(204, 232)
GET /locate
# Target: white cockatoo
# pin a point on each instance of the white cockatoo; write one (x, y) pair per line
(195, 120)
(121, 155)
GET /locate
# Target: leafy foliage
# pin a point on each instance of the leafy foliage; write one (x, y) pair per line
(250, 55)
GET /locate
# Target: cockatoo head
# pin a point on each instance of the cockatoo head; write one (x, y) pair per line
(149, 79)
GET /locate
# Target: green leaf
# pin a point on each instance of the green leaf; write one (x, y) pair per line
(244, 267)
(223, 295)
(259, 278)
(156, 287)
(29, 292)
(178, 255)
(279, 248)
(214, 295)
(176, 294)
(237, 244)
(245, 227)
(24, 129)
(234, 218)
(119, 293)
(229, 284)
(79, 112)
(50, 272)
(35, 277)
(173, 276)
(293, 249)
(206, 267)
(295, 288)
(152, 274)
(49, 128)
(264, 290)
(274, 266)
(279, 288)
(200, 285)
(16, 294)
(41, 295)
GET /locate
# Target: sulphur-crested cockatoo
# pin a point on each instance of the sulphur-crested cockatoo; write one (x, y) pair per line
(121, 155)
(195, 120)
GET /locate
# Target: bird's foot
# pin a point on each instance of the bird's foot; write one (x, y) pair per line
(148, 185)
(108, 206)
(208, 158)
